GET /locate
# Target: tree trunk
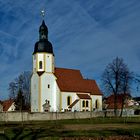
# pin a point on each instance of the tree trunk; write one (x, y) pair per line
(115, 105)
(122, 107)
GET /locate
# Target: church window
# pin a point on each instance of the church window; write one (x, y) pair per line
(96, 104)
(87, 103)
(68, 100)
(83, 103)
(48, 85)
(40, 64)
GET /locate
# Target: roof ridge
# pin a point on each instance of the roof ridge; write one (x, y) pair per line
(73, 81)
(68, 69)
(7, 100)
(89, 80)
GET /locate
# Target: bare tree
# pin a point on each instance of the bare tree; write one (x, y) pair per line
(116, 79)
(21, 83)
(137, 81)
(127, 78)
(13, 90)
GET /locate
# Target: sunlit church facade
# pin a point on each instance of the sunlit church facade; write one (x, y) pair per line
(59, 89)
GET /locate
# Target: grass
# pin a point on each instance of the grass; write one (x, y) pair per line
(94, 127)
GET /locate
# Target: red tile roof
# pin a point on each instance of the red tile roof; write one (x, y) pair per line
(110, 101)
(70, 80)
(119, 106)
(119, 97)
(6, 104)
(83, 96)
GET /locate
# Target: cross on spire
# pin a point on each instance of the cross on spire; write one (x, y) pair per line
(43, 13)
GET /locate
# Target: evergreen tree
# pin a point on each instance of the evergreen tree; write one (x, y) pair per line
(20, 101)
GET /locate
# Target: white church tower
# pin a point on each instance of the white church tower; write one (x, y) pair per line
(43, 81)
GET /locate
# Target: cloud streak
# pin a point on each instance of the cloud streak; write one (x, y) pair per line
(85, 35)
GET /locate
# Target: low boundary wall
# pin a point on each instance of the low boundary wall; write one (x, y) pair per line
(26, 116)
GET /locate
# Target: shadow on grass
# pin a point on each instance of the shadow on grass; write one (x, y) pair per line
(56, 129)
(21, 134)
(34, 134)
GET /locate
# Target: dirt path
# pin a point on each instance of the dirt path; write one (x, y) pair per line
(100, 126)
(102, 138)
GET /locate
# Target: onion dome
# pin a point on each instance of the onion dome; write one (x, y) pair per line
(43, 45)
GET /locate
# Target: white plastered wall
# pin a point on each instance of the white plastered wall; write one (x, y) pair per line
(73, 96)
(49, 60)
(58, 100)
(99, 99)
(12, 107)
(49, 91)
(34, 92)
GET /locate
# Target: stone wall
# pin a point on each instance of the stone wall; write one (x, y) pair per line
(25, 116)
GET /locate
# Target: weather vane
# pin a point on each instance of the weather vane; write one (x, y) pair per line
(43, 13)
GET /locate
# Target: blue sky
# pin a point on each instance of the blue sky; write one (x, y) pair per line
(86, 35)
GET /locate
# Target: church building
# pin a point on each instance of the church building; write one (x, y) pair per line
(59, 89)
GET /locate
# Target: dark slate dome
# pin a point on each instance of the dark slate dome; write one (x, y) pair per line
(43, 45)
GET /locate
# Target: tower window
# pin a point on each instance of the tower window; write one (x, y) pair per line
(40, 64)
(48, 85)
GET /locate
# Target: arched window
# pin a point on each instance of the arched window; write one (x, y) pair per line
(40, 64)
(68, 100)
(96, 104)
(48, 85)
(83, 103)
(87, 103)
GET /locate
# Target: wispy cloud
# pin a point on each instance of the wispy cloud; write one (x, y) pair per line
(85, 34)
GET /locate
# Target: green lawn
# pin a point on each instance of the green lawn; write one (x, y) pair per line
(77, 128)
